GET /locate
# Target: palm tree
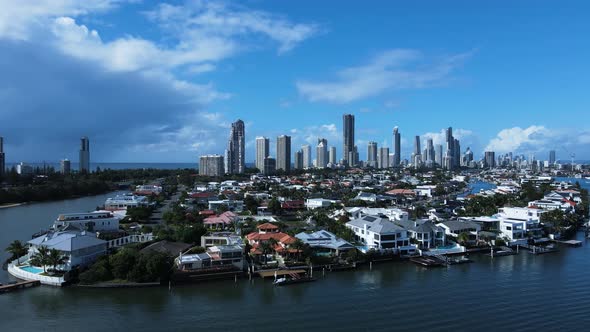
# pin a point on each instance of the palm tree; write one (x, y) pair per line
(56, 258)
(41, 257)
(17, 249)
(265, 247)
(298, 245)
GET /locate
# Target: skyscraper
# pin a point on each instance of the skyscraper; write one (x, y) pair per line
(270, 166)
(438, 157)
(84, 154)
(456, 153)
(211, 165)
(490, 159)
(65, 166)
(284, 153)
(2, 157)
(298, 160)
(396, 147)
(235, 154)
(262, 151)
(322, 153)
(551, 157)
(384, 158)
(467, 157)
(372, 154)
(430, 150)
(417, 145)
(332, 155)
(348, 138)
(306, 149)
(450, 154)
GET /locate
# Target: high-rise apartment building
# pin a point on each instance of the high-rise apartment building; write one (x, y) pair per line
(396, 147)
(298, 160)
(332, 155)
(552, 157)
(65, 166)
(490, 159)
(284, 153)
(2, 158)
(348, 138)
(372, 154)
(211, 165)
(262, 151)
(384, 158)
(84, 165)
(307, 161)
(322, 153)
(235, 155)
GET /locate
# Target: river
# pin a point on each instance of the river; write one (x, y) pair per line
(522, 292)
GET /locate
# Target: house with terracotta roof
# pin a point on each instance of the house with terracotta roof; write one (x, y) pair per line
(221, 221)
(266, 233)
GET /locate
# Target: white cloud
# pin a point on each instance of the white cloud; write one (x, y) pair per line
(517, 139)
(197, 19)
(395, 69)
(19, 19)
(539, 140)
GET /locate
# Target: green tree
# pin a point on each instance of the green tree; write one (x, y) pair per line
(275, 206)
(463, 238)
(56, 258)
(266, 248)
(123, 262)
(297, 245)
(17, 249)
(41, 257)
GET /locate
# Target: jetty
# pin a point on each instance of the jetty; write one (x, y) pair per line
(537, 250)
(19, 285)
(279, 273)
(428, 261)
(571, 243)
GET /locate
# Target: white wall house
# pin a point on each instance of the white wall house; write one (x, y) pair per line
(456, 227)
(232, 205)
(81, 248)
(98, 221)
(380, 233)
(315, 203)
(513, 230)
(530, 216)
(393, 214)
(122, 202)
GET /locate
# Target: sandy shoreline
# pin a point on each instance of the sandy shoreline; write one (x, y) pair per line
(6, 206)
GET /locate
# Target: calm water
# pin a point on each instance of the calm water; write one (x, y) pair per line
(522, 292)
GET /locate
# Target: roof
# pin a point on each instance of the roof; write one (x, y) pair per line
(262, 237)
(67, 241)
(401, 192)
(459, 225)
(267, 226)
(168, 247)
(324, 239)
(376, 224)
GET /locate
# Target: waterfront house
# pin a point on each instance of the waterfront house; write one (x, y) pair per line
(220, 238)
(81, 248)
(425, 233)
(265, 233)
(324, 241)
(393, 214)
(530, 216)
(222, 256)
(513, 230)
(98, 221)
(456, 227)
(122, 202)
(380, 233)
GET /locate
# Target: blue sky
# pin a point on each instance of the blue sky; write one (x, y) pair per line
(150, 81)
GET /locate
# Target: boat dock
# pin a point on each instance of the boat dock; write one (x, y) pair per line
(19, 285)
(503, 251)
(428, 261)
(537, 250)
(571, 243)
(279, 273)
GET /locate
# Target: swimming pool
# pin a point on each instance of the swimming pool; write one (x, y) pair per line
(31, 269)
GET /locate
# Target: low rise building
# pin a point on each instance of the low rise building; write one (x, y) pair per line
(379, 233)
(231, 205)
(325, 241)
(98, 221)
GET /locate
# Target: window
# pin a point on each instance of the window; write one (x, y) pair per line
(376, 237)
(508, 228)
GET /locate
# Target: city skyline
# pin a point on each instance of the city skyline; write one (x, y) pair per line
(410, 65)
